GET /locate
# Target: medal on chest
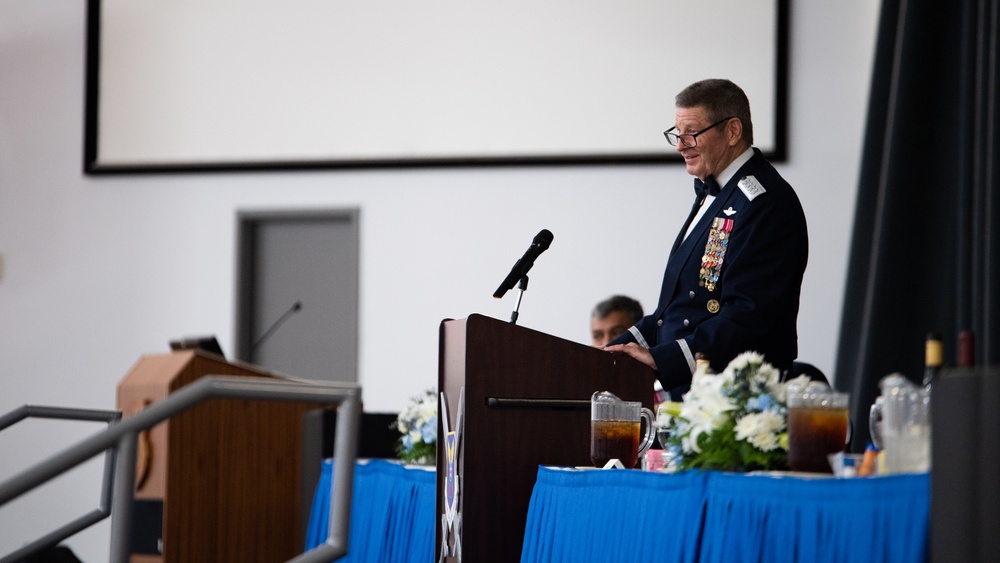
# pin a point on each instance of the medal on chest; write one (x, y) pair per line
(715, 252)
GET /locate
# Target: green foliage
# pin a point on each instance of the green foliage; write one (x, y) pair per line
(418, 453)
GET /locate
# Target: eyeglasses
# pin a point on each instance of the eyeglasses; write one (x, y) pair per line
(690, 139)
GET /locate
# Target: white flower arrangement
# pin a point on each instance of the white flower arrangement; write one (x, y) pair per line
(733, 421)
(418, 426)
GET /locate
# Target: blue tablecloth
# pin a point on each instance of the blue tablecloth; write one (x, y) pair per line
(392, 513)
(617, 515)
(614, 515)
(708, 517)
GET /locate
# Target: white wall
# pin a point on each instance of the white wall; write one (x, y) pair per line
(100, 270)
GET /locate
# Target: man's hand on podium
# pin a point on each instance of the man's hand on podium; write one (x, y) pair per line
(634, 350)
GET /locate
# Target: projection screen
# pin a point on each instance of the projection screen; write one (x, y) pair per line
(266, 84)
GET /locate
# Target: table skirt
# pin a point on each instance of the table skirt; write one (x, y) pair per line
(579, 515)
(617, 515)
(392, 513)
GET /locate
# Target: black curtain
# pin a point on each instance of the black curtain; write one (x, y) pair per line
(925, 253)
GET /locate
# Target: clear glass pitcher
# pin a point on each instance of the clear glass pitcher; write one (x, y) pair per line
(900, 424)
(615, 430)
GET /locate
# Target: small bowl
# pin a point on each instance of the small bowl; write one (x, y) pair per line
(845, 464)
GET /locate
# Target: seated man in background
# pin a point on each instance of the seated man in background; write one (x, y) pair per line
(612, 317)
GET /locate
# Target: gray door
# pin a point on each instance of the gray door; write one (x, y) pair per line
(297, 287)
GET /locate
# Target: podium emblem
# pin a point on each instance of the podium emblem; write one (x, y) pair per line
(451, 520)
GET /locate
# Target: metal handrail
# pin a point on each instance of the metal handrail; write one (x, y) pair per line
(104, 507)
(123, 438)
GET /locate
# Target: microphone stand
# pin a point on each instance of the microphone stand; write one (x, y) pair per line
(296, 307)
(522, 285)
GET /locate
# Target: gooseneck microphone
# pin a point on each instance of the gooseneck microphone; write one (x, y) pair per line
(296, 307)
(538, 245)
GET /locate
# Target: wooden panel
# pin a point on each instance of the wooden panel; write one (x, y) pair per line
(502, 447)
(227, 470)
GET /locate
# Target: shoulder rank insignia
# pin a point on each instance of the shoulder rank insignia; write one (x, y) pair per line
(715, 252)
(751, 187)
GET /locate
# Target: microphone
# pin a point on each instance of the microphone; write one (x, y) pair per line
(267, 334)
(539, 244)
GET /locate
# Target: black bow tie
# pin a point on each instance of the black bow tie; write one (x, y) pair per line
(708, 187)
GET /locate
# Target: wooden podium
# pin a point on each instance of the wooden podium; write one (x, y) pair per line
(527, 403)
(219, 482)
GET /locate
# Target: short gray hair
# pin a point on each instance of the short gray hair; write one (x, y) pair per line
(618, 303)
(721, 98)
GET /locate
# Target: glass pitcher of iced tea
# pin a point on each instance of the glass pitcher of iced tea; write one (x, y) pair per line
(615, 427)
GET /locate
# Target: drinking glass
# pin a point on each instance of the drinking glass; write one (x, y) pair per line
(663, 422)
(817, 426)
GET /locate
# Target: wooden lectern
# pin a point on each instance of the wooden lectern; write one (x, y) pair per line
(527, 403)
(219, 482)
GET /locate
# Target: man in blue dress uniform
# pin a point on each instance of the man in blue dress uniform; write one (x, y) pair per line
(733, 277)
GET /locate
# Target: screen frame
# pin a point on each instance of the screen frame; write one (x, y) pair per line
(95, 164)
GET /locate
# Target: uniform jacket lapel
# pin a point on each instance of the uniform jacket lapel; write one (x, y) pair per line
(689, 252)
